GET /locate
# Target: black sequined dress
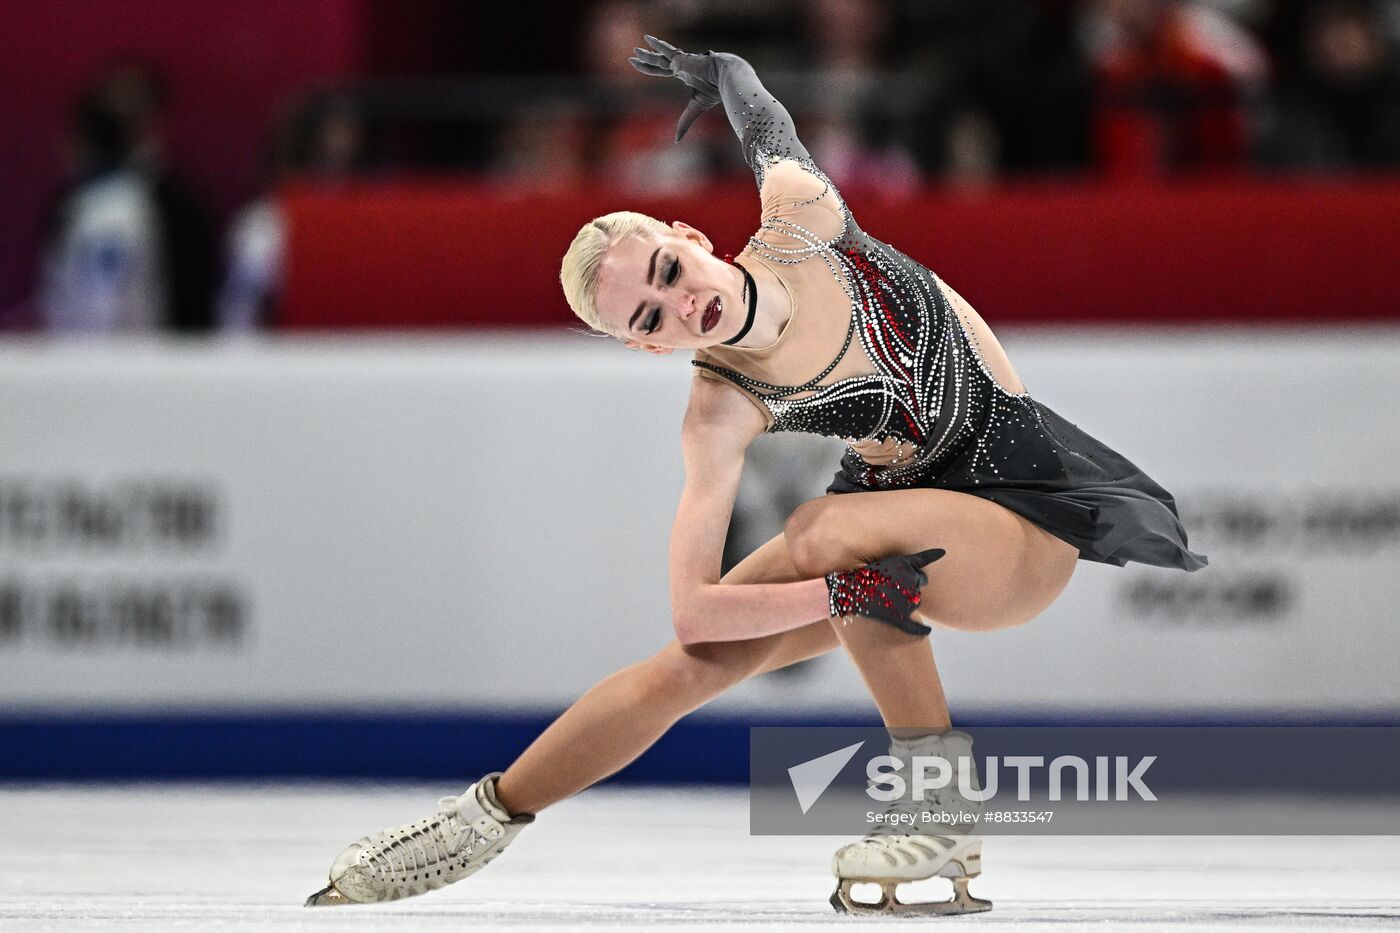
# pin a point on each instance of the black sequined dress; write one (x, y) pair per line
(925, 384)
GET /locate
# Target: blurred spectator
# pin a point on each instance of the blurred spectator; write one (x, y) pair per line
(1173, 82)
(850, 43)
(1035, 86)
(139, 99)
(1342, 107)
(637, 148)
(323, 146)
(126, 246)
(543, 148)
(102, 266)
(555, 144)
(987, 88)
(255, 262)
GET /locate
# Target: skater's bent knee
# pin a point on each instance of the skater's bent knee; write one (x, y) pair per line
(816, 540)
(691, 675)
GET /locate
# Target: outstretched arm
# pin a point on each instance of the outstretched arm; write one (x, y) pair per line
(764, 126)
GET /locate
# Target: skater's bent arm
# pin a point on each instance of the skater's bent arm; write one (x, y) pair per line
(719, 424)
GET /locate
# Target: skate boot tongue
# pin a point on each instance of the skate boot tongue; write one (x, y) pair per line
(954, 748)
(480, 800)
(951, 745)
(486, 790)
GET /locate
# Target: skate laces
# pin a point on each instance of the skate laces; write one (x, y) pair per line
(419, 847)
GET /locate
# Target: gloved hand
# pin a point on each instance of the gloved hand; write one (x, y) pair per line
(697, 72)
(886, 590)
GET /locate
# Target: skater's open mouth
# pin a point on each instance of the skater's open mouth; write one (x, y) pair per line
(711, 316)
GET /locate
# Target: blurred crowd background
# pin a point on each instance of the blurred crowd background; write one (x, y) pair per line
(147, 153)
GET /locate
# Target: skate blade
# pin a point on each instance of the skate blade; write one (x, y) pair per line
(327, 897)
(962, 902)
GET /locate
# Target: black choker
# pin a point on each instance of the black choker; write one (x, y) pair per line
(752, 289)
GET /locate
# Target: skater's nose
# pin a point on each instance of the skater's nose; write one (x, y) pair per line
(683, 305)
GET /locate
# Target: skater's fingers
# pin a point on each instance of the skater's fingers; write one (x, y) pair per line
(921, 621)
(691, 114)
(914, 625)
(905, 624)
(654, 58)
(649, 69)
(661, 45)
(924, 558)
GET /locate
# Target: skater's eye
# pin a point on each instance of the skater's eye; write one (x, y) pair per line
(673, 273)
(652, 322)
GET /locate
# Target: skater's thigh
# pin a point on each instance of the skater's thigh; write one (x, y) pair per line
(999, 569)
(770, 563)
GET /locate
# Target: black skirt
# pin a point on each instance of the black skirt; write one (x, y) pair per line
(1040, 466)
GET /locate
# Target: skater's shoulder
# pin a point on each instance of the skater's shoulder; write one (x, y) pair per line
(719, 412)
(790, 178)
(798, 204)
(791, 185)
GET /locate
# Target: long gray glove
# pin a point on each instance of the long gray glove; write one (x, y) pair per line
(696, 71)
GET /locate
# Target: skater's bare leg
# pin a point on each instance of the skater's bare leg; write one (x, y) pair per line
(999, 570)
(888, 658)
(626, 713)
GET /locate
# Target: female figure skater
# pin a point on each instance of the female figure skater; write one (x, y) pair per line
(960, 501)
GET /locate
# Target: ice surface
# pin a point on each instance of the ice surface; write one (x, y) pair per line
(244, 858)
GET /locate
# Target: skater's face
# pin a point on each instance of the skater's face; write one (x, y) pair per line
(670, 292)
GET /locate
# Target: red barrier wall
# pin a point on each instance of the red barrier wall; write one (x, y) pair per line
(437, 255)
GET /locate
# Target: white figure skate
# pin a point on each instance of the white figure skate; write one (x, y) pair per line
(898, 851)
(466, 833)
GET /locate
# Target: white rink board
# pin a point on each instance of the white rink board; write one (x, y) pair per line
(481, 523)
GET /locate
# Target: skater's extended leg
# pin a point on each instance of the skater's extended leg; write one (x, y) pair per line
(608, 727)
(626, 713)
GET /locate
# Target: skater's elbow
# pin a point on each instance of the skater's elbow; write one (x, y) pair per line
(687, 629)
(690, 625)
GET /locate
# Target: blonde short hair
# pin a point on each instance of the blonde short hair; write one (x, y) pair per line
(584, 259)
